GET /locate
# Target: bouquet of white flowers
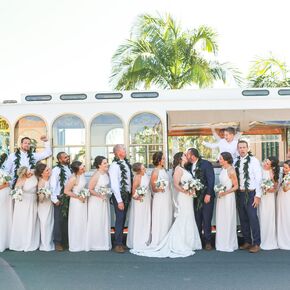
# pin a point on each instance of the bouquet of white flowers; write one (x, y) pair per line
(141, 191)
(16, 193)
(189, 185)
(161, 183)
(84, 193)
(266, 185)
(196, 184)
(105, 191)
(43, 193)
(4, 177)
(286, 180)
(219, 188)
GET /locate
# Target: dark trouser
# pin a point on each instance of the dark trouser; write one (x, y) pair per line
(60, 227)
(120, 222)
(248, 218)
(203, 218)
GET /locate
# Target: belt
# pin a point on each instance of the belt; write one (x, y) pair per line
(243, 190)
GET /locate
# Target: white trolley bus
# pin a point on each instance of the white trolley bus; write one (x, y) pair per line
(89, 124)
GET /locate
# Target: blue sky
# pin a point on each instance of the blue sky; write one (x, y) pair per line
(66, 45)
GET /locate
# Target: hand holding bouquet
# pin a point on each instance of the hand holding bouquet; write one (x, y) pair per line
(43, 193)
(161, 184)
(219, 189)
(266, 185)
(140, 192)
(16, 194)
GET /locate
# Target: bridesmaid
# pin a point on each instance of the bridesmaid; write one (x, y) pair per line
(140, 212)
(99, 217)
(267, 207)
(226, 214)
(283, 211)
(162, 207)
(6, 211)
(45, 209)
(77, 216)
(25, 233)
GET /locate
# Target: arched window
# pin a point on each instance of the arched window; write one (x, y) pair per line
(106, 131)
(33, 127)
(4, 140)
(146, 137)
(69, 136)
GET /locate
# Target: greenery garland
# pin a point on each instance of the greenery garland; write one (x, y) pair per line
(246, 174)
(17, 163)
(125, 195)
(63, 198)
(199, 193)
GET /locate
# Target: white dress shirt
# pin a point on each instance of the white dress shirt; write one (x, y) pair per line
(55, 182)
(224, 146)
(193, 167)
(9, 165)
(255, 175)
(115, 179)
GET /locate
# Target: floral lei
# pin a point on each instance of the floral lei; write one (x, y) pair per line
(17, 163)
(199, 196)
(246, 174)
(125, 195)
(63, 198)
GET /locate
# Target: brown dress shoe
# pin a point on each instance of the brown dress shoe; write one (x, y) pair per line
(255, 249)
(119, 249)
(59, 247)
(208, 246)
(245, 246)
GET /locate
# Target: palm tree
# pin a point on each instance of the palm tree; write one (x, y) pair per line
(160, 53)
(268, 72)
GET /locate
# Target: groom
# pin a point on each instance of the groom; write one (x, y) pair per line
(121, 180)
(204, 203)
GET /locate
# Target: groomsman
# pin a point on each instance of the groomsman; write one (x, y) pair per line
(204, 203)
(121, 180)
(25, 157)
(59, 177)
(249, 173)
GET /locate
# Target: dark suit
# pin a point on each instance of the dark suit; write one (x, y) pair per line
(203, 216)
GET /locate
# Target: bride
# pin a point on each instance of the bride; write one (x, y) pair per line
(183, 237)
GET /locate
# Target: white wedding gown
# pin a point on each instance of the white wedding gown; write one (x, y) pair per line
(77, 219)
(183, 237)
(226, 217)
(283, 219)
(267, 217)
(99, 220)
(45, 214)
(140, 219)
(25, 232)
(6, 211)
(162, 211)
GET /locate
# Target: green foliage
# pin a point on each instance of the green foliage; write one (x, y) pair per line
(268, 72)
(160, 53)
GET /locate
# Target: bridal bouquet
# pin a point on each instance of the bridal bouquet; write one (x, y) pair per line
(105, 191)
(161, 183)
(219, 188)
(266, 185)
(84, 193)
(286, 180)
(16, 193)
(43, 193)
(4, 177)
(141, 191)
(197, 185)
(189, 185)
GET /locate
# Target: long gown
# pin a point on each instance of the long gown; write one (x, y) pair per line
(162, 212)
(183, 237)
(267, 217)
(45, 214)
(99, 220)
(77, 219)
(283, 219)
(226, 217)
(140, 219)
(25, 233)
(6, 211)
